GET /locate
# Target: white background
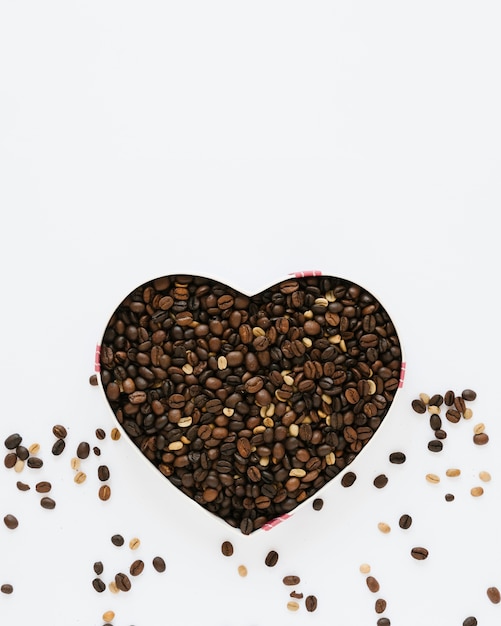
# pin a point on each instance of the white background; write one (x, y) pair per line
(243, 141)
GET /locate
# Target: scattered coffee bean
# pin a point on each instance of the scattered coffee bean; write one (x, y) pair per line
(100, 434)
(83, 450)
(59, 431)
(433, 478)
(7, 588)
(96, 450)
(108, 616)
(348, 479)
(43, 486)
(12, 441)
(122, 581)
(10, 460)
(291, 580)
(117, 540)
(58, 447)
(34, 449)
(98, 567)
(93, 380)
(405, 521)
(484, 476)
(159, 564)
(383, 621)
(11, 521)
(103, 473)
(469, 394)
(80, 477)
(75, 463)
(134, 543)
(292, 605)
(47, 503)
(381, 481)
(453, 472)
(372, 584)
(365, 568)
(242, 571)
(449, 397)
(419, 553)
(22, 453)
(480, 439)
(19, 466)
(115, 434)
(384, 527)
(435, 445)
(271, 558)
(34, 462)
(419, 406)
(104, 492)
(22, 486)
(311, 603)
(296, 594)
(397, 458)
(380, 606)
(470, 621)
(112, 586)
(494, 595)
(136, 567)
(227, 548)
(317, 504)
(98, 585)
(477, 491)
(449, 497)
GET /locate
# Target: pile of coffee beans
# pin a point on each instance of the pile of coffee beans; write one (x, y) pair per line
(249, 405)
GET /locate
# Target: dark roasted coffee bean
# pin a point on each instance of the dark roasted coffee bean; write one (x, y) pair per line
(22, 453)
(10, 460)
(436, 400)
(58, 447)
(470, 621)
(271, 558)
(348, 479)
(7, 588)
(98, 585)
(34, 462)
(100, 434)
(419, 553)
(310, 602)
(83, 450)
(435, 445)
(117, 540)
(22, 486)
(405, 521)
(43, 486)
(122, 581)
(159, 564)
(11, 521)
(103, 472)
(380, 481)
(317, 504)
(380, 606)
(449, 397)
(59, 431)
(98, 568)
(12, 441)
(93, 381)
(397, 457)
(136, 567)
(419, 406)
(468, 395)
(449, 497)
(383, 621)
(47, 503)
(227, 548)
(246, 526)
(372, 584)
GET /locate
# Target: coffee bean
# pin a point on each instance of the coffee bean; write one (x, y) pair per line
(317, 504)
(98, 585)
(293, 605)
(311, 603)
(10, 460)
(348, 479)
(117, 540)
(291, 579)
(227, 548)
(372, 584)
(380, 605)
(22, 486)
(242, 571)
(419, 406)
(397, 457)
(405, 521)
(98, 568)
(100, 434)
(58, 447)
(134, 543)
(59, 431)
(11, 521)
(271, 558)
(122, 581)
(449, 397)
(43, 486)
(435, 445)
(480, 439)
(494, 595)
(12, 441)
(93, 380)
(470, 621)
(80, 477)
(383, 621)
(34, 462)
(381, 481)
(96, 450)
(22, 453)
(108, 616)
(419, 553)
(115, 434)
(449, 497)
(136, 567)
(7, 588)
(468, 394)
(83, 450)
(47, 503)
(159, 564)
(104, 492)
(103, 472)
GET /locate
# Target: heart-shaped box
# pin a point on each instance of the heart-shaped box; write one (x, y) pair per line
(250, 404)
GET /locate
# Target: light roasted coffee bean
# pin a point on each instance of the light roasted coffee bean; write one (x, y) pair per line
(242, 571)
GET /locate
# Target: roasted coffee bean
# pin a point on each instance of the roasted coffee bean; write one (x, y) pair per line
(159, 564)
(348, 479)
(470, 621)
(419, 406)
(436, 400)
(22, 453)
(34, 462)
(103, 472)
(317, 504)
(83, 450)
(383, 621)
(58, 447)
(136, 567)
(435, 445)
(468, 394)
(11, 521)
(98, 585)
(100, 434)
(271, 558)
(480, 439)
(7, 588)
(419, 553)
(104, 492)
(380, 481)
(291, 580)
(227, 548)
(310, 602)
(47, 503)
(12, 441)
(59, 431)
(10, 460)
(43, 486)
(122, 581)
(117, 540)
(98, 568)
(93, 380)
(449, 497)
(372, 584)
(405, 521)
(494, 595)
(380, 605)
(397, 458)
(22, 486)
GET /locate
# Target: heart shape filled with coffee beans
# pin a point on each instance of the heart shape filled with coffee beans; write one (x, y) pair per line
(250, 404)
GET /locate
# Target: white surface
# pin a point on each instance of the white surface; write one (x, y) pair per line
(245, 141)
